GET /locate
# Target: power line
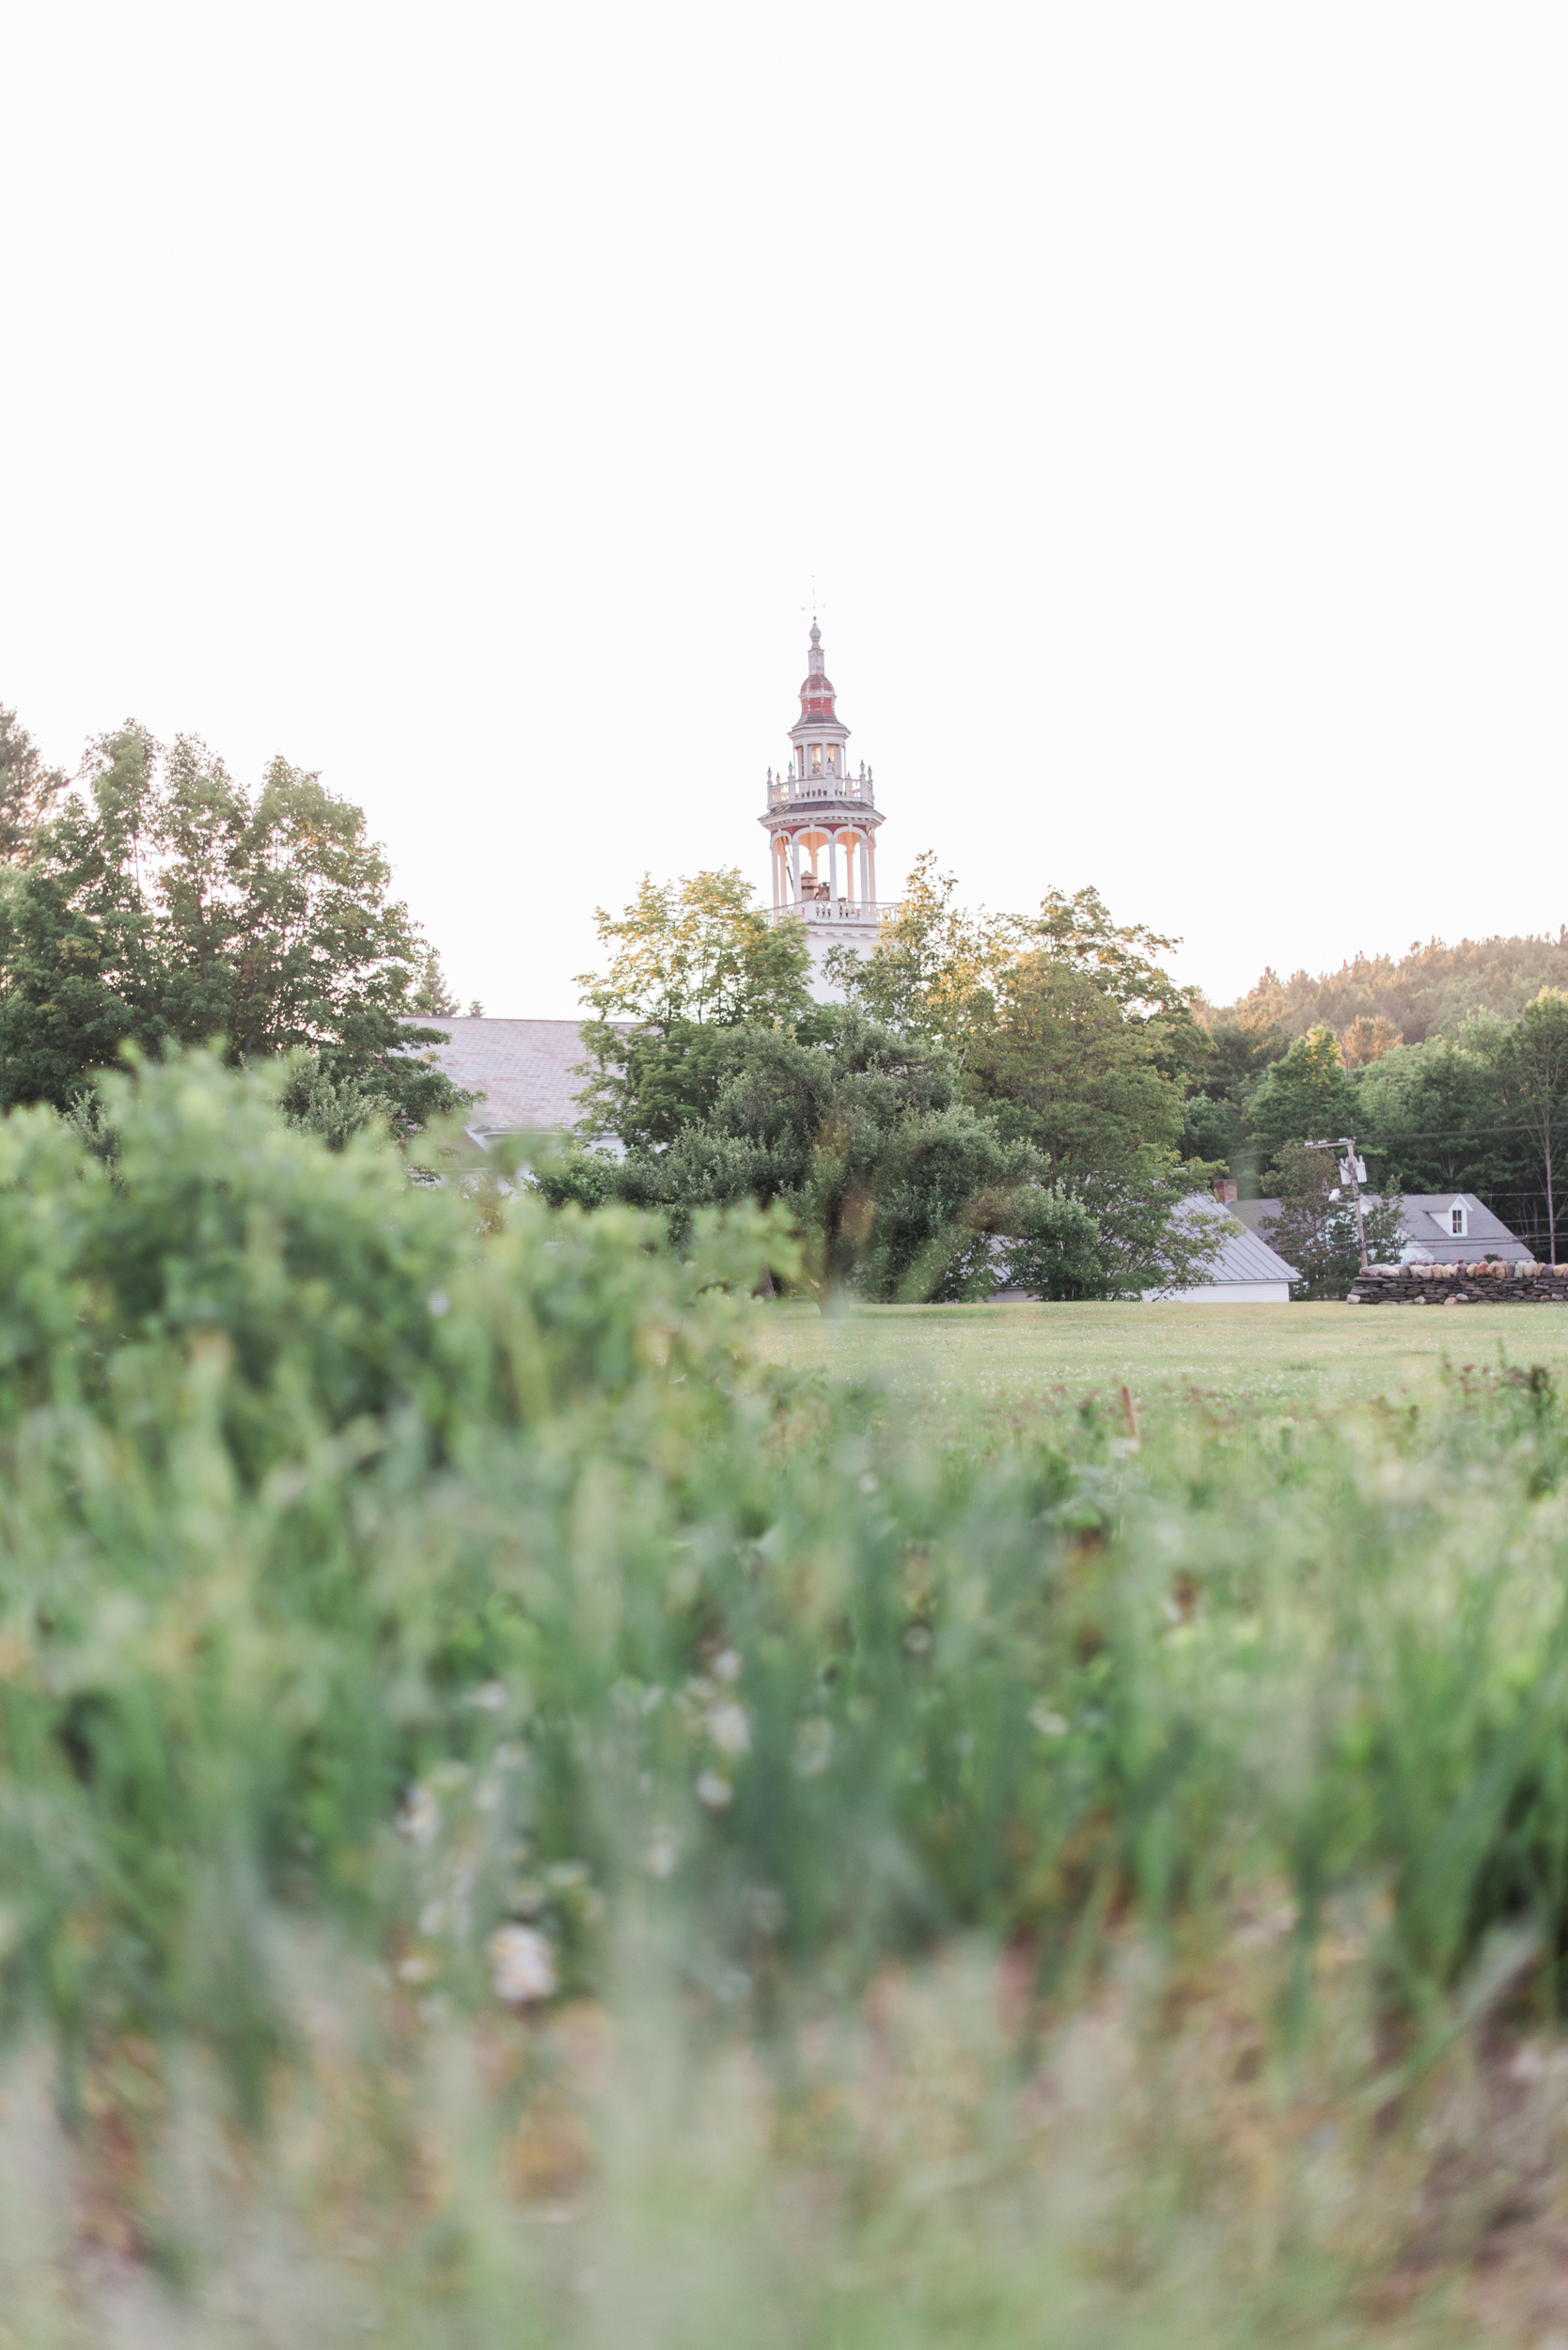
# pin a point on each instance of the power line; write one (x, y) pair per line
(1449, 1134)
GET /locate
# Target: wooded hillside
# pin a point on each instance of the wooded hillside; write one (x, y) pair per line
(1423, 994)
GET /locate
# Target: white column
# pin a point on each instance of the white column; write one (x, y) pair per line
(774, 861)
(833, 868)
(794, 863)
(871, 863)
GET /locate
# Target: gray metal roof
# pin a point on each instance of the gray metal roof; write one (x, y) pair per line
(1244, 1256)
(1424, 1224)
(522, 1067)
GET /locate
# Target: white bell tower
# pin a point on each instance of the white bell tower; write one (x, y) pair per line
(822, 823)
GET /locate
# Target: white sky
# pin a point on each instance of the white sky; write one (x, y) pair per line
(1169, 401)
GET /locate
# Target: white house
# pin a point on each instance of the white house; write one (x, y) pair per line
(1246, 1272)
(1435, 1226)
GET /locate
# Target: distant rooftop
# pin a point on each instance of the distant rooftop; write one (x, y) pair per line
(1427, 1227)
(523, 1068)
(1244, 1256)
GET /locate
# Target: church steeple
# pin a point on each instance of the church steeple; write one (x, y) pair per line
(819, 733)
(816, 694)
(823, 823)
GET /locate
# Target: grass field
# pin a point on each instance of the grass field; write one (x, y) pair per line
(520, 1823)
(961, 1361)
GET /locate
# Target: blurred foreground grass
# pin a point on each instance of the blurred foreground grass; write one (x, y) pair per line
(523, 1820)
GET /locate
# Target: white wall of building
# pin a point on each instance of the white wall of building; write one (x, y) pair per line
(1224, 1293)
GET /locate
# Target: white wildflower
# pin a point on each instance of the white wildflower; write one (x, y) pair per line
(813, 1746)
(438, 1303)
(714, 1791)
(522, 1969)
(729, 1727)
(727, 1664)
(490, 1697)
(1048, 1723)
(421, 1818)
(662, 1853)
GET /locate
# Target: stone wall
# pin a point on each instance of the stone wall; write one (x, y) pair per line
(1489, 1284)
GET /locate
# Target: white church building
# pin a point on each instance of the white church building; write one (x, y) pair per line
(822, 823)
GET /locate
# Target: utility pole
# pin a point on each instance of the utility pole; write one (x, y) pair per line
(1353, 1172)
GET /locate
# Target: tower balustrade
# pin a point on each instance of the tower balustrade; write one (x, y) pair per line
(784, 790)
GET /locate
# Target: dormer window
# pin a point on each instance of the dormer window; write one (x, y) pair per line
(1456, 1222)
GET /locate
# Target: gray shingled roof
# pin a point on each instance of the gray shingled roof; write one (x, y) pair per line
(522, 1067)
(1244, 1256)
(1425, 1224)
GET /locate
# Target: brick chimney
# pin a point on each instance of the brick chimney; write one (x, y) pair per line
(1225, 1191)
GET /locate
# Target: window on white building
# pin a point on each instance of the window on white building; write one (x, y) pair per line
(1456, 1221)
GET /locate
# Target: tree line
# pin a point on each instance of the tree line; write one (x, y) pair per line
(1374, 1001)
(996, 1100)
(1026, 1099)
(1033, 1100)
(1483, 1108)
(153, 902)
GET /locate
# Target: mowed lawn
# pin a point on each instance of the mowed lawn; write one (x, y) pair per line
(952, 1358)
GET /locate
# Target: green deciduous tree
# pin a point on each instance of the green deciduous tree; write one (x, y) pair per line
(692, 963)
(1235, 1056)
(933, 973)
(899, 1186)
(1435, 1115)
(894, 1183)
(1307, 1095)
(165, 905)
(942, 969)
(1070, 1035)
(1061, 1063)
(28, 788)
